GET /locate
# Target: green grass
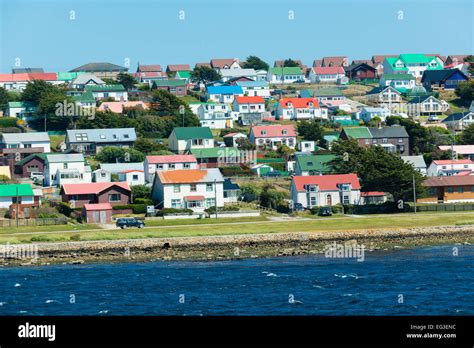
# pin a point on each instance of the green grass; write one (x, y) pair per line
(56, 140)
(209, 221)
(335, 223)
(69, 227)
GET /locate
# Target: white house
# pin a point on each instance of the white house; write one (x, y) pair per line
(325, 190)
(414, 64)
(248, 104)
(184, 139)
(228, 74)
(273, 136)
(132, 177)
(427, 105)
(327, 74)
(368, 113)
(223, 64)
(215, 115)
(223, 94)
(285, 75)
(116, 92)
(26, 140)
(401, 82)
(69, 168)
(255, 88)
(10, 192)
(450, 167)
(384, 95)
(307, 146)
(459, 121)
(194, 189)
(299, 109)
(153, 164)
(101, 175)
(86, 79)
(418, 162)
(232, 139)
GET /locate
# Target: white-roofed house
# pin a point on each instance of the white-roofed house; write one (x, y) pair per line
(26, 140)
(418, 162)
(66, 168)
(91, 141)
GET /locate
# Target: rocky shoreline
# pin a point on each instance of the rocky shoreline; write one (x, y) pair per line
(236, 246)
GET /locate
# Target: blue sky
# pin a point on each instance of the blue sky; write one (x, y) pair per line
(41, 34)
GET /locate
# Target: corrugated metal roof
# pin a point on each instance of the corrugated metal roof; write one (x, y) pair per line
(107, 135)
(14, 138)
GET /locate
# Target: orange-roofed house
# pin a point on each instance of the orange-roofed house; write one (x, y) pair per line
(195, 189)
(273, 136)
(450, 167)
(325, 190)
(115, 193)
(299, 109)
(167, 162)
(244, 104)
(327, 74)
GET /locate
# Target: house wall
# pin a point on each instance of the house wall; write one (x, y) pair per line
(322, 197)
(22, 171)
(50, 170)
(5, 202)
(467, 195)
(80, 200)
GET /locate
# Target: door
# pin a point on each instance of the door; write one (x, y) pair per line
(95, 217)
(103, 217)
(329, 200)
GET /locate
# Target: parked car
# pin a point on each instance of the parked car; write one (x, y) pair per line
(129, 222)
(37, 177)
(298, 207)
(433, 118)
(325, 211)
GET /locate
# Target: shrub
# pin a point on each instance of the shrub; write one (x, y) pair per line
(64, 209)
(75, 237)
(170, 211)
(212, 210)
(136, 208)
(7, 122)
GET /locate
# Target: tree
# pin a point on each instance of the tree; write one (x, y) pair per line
(148, 146)
(467, 136)
(4, 99)
(272, 198)
(254, 62)
(285, 150)
(35, 90)
(420, 138)
(470, 59)
(170, 105)
(377, 169)
(204, 74)
(126, 80)
(290, 63)
(465, 91)
(115, 154)
(141, 191)
(245, 144)
(311, 131)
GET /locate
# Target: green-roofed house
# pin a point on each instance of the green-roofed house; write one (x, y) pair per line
(183, 75)
(414, 64)
(217, 157)
(85, 99)
(401, 82)
(285, 75)
(21, 194)
(116, 92)
(177, 86)
(69, 76)
(361, 134)
(184, 139)
(307, 164)
(20, 109)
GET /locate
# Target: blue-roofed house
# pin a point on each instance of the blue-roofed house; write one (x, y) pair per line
(223, 94)
(459, 121)
(255, 88)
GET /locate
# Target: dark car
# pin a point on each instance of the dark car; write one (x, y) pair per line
(325, 211)
(129, 222)
(298, 207)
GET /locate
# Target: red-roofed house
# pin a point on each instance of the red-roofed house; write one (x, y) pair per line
(167, 162)
(228, 63)
(373, 197)
(115, 193)
(118, 107)
(335, 61)
(18, 82)
(172, 69)
(273, 136)
(325, 190)
(327, 74)
(99, 213)
(248, 104)
(149, 68)
(449, 189)
(299, 109)
(450, 167)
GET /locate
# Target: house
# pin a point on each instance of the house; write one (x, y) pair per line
(223, 94)
(119, 107)
(229, 74)
(248, 104)
(458, 62)
(215, 115)
(189, 189)
(115, 92)
(442, 79)
(62, 168)
(225, 64)
(273, 136)
(183, 139)
(101, 175)
(467, 151)
(85, 79)
(232, 139)
(91, 141)
(177, 87)
(418, 162)
(401, 82)
(10, 192)
(360, 72)
(285, 75)
(414, 64)
(328, 74)
(172, 69)
(459, 121)
(101, 70)
(86, 102)
(232, 192)
(377, 62)
(308, 164)
(114, 193)
(455, 59)
(37, 140)
(21, 110)
(149, 68)
(33, 163)
(27, 70)
(450, 167)
(373, 197)
(335, 61)
(323, 94)
(261, 169)
(18, 82)
(449, 189)
(384, 95)
(184, 76)
(117, 168)
(132, 177)
(299, 109)
(368, 113)
(393, 139)
(325, 190)
(426, 105)
(307, 146)
(153, 164)
(217, 157)
(98, 213)
(150, 77)
(281, 63)
(255, 88)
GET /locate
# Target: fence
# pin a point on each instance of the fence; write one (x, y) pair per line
(443, 207)
(33, 222)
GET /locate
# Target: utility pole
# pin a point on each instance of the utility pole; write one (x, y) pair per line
(215, 195)
(17, 208)
(414, 192)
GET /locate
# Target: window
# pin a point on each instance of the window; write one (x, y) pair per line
(367, 141)
(135, 177)
(176, 203)
(210, 202)
(194, 204)
(187, 165)
(345, 199)
(197, 142)
(171, 166)
(374, 141)
(284, 132)
(32, 168)
(450, 189)
(460, 189)
(209, 188)
(125, 136)
(81, 137)
(313, 201)
(400, 140)
(114, 136)
(193, 187)
(102, 136)
(160, 166)
(176, 188)
(114, 197)
(384, 140)
(264, 132)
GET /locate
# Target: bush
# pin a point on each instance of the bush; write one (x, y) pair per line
(144, 201)
(7, 122)
(64, 209)
(75, 237)
(212, 210)
(136, 208)
(236, 171)
(170, 211)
